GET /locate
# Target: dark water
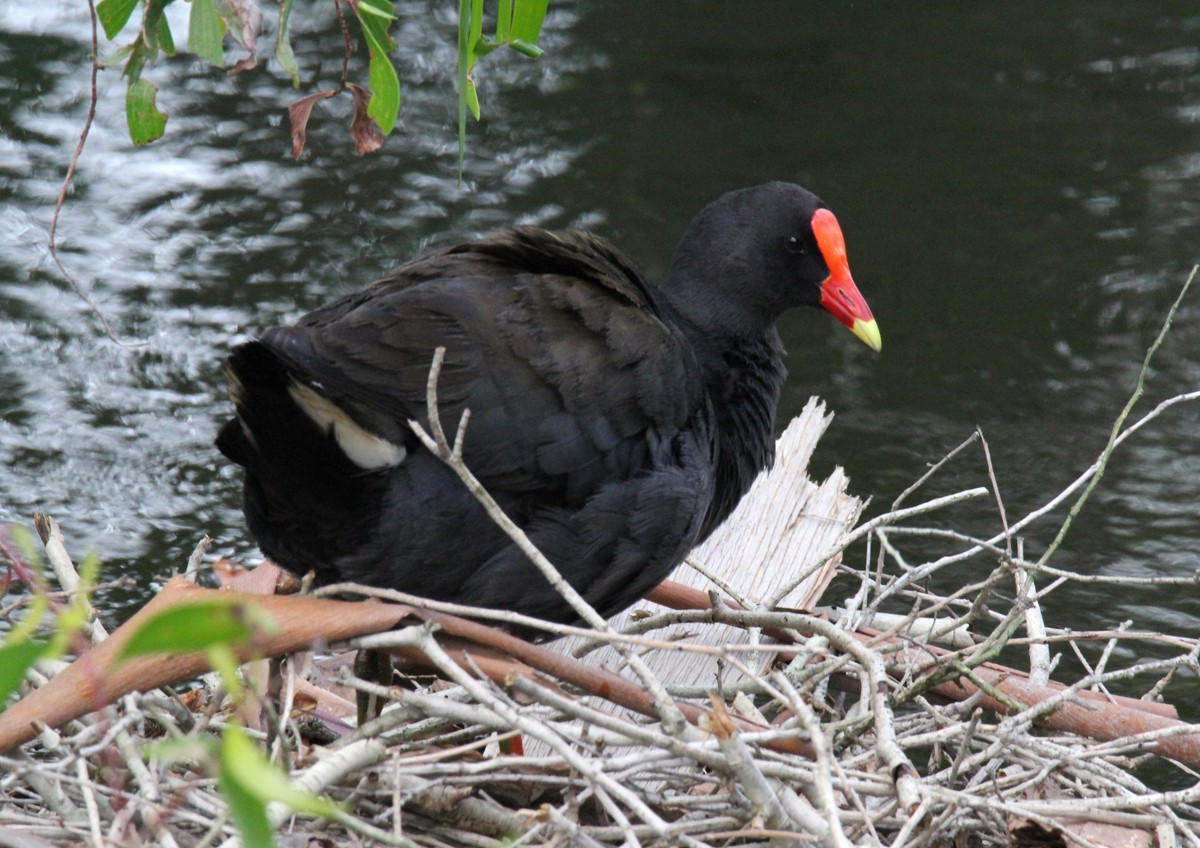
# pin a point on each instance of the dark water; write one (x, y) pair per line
(1019, 187)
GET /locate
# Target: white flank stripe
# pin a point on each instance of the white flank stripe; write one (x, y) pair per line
(364, 449)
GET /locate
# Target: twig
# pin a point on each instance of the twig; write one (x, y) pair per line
(66, 575)
(197, 557)
(89, 802)
(864, 530)
(347, 44)
(66, 184)
(933, 469)
(1102, 463)
(672, 718)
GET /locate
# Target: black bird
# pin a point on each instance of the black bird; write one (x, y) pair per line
(617, 423)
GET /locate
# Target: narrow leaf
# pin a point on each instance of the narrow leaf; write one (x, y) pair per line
(525, 48)
(24, 629)
(472, 98)
(147, 44)
(528, 17)
(375, 16)
(283, 44)
(222, 660)
(197, 627)
(206, 32)
(464, 58)
(375, 10)
(476, 29)
(244, 762)
(484, 46)
(152, 20)
(384, 107)
(15, 660)
(165, 40)
(504, 20)
(120, 55)
(114, 14)
(146, 122)
(248, 812)
(193, 749)
(473, 41)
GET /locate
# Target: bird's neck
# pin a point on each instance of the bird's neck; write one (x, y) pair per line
(712, 307)
(745, 390)
(744, 377)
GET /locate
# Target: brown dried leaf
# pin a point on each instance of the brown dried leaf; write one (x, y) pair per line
(241, 65)
(367, 136)
(299, 113)
(245, 21)
(720, 724)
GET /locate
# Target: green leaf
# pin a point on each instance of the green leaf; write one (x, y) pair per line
(472, 98)
(484, 46)
(377, 9)
(473, 42)
(525, 48)
(528, 17)
(206, 32)
(146, 47)
(120, 55)
(198, 626)
(375, 16)
(504, 20)
(152, 19)
(464, 59)
(244, 765)
(89, 571)
(165, 40)
(384, 107)
(146, 122)
(283, 44)
(114, 14)
(476, 29)
(222, 660)
(30, 622)
(15, 660)
(249, 812)
(29, 549)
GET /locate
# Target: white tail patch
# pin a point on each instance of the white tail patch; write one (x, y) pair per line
(366, 450)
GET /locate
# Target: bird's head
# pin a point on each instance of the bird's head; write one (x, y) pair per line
(754, 253)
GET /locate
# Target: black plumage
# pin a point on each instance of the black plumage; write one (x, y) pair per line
(616, 422)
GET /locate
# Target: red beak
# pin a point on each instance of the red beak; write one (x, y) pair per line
(839, 296)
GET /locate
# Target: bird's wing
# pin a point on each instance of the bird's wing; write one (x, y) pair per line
(553, 341)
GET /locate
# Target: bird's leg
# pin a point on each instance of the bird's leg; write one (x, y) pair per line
(375, 667)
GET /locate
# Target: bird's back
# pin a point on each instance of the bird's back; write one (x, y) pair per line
(590, 425)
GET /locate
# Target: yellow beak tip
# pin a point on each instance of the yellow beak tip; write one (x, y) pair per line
(868, 331)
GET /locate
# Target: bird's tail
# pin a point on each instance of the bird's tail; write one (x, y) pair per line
(304, 498)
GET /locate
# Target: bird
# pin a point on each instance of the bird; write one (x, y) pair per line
(617, 422)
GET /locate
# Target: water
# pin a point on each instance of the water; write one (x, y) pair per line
(1019, 193)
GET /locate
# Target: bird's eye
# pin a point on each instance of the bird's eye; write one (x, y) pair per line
(794, 245)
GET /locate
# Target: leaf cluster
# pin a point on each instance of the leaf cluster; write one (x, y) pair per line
(211, 22)
(222, 629)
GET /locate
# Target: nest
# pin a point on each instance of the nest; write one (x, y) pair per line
(730, 713)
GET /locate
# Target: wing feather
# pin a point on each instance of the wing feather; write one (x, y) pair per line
(554, 341)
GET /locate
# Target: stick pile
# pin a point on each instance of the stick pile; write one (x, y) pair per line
(716, 717)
